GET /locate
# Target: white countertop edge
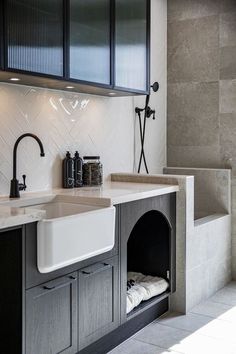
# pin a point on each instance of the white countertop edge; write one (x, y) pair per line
(143, 195)
(18, 216)
(13, 213)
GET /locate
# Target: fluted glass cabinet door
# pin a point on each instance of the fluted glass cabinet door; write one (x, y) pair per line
(1, 35)
(90, 40)
(131, 41)
(34, 31)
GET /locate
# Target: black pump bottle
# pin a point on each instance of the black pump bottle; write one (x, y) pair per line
(78, 170)
(68, 171)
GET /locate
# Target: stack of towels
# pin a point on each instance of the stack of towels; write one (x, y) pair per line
(142, 287)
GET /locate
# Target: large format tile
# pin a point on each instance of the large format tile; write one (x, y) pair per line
(197, 285)
(228, 29)
(136, 347)
(231, 285)
(194, 156)
(189, 9)
(228, 138)
(220, 329)
(184, 341)
(193, 100)
(201, 344)
(193, 114)
(216, 310)
(225, 296)
(234, 267)
(219, 274)
(193, 50)
(163, 336)
(228, 96)
(190, 322)
(227, 63)
(227, 6)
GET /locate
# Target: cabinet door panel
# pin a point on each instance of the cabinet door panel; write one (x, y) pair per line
(98, 301)
(51, 317)
(131, 44)
(35, 35)
(90, 40)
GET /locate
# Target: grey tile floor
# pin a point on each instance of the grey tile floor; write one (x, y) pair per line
(209, 328)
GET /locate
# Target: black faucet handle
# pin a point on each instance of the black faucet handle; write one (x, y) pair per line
(22, 186)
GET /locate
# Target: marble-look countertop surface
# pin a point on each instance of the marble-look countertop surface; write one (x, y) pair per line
(17, 212)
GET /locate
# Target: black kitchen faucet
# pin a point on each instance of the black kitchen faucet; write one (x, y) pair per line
(16, 187)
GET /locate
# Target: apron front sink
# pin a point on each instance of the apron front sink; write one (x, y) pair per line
(72, 232)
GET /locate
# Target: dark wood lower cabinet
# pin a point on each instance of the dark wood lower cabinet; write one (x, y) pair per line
(69, 313)
(82, 308)
(98, 301)
(51, 317)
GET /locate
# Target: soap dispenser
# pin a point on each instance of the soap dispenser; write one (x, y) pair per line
(68, 171)
(78, 170)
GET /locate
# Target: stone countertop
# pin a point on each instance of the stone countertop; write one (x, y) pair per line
(13, 211)
(11, 216)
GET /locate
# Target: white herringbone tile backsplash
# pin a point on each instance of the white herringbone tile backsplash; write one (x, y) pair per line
(63, 121)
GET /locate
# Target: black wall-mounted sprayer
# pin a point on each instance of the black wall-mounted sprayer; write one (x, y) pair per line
(148, 112)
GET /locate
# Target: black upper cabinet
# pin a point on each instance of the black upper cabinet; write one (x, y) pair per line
(90, 40)
(1, 36)
(131, 44)
(34, 36)
(99, 45)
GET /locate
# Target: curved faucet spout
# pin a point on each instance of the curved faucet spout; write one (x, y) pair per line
(14, 193)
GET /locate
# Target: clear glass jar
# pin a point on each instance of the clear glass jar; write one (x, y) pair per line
(92, 171)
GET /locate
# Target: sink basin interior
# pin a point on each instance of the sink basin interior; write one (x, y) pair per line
(61, 209)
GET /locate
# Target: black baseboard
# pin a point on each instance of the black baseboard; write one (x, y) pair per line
(111, 340)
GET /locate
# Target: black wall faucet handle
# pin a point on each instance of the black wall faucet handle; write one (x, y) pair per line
(150, 113)
(23, 186)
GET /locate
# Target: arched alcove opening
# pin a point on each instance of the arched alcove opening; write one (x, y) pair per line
(149, 247)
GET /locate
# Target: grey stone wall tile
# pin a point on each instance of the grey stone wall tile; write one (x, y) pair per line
(193, 118)
(228, 96)
(228, 29)
(227, 6)
(228, 138)
(194, 156)
(193, 50)
(189, 9)
(228, 62)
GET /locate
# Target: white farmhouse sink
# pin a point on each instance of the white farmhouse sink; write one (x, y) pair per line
(70, 233)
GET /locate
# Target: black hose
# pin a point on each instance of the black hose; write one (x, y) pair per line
(142, 131)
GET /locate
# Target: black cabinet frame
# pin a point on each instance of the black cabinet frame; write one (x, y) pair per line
(148, 49)
(59, 82)
(1, 36)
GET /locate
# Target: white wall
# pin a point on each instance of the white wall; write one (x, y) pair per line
(89, 124)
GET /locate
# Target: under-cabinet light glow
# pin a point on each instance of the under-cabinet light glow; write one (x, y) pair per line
(69, 87)
(14, 79)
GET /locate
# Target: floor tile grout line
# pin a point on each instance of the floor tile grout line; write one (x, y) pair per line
(214, 318)
(158, 346)
(200, 334)
(223, 303)
(196, 314)
(220, 340)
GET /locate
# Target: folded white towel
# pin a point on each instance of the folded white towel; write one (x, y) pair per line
(144, 289)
